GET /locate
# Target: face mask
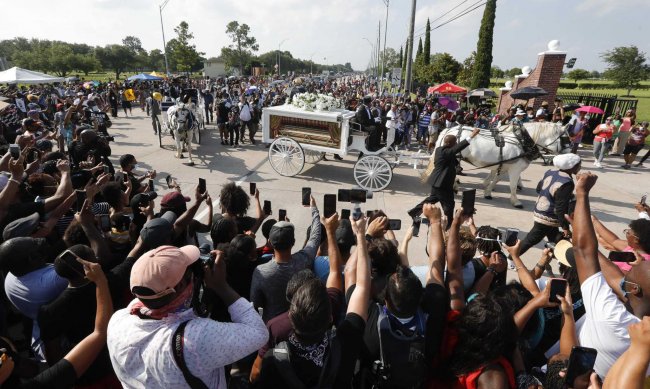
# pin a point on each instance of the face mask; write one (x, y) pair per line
(134, 166)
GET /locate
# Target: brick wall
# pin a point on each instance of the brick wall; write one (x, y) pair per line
(546, 75)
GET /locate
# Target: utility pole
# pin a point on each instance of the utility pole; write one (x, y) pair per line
(160, 8)
(383, 60)
(280, 56)
(378, 52)
(409, 51)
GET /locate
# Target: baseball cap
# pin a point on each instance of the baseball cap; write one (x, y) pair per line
(282, 235)
(157, 232)
(161, 269)
(563, 252)
(174, 200)
(21, 227)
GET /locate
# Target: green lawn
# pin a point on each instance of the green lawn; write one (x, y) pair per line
(643, 109)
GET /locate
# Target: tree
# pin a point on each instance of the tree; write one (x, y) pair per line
(481, 75)
(595, 74)
(496, 72)
(133, 43)
(401, 56)
(418, 54)
(467, 70)
(626, 66)
(578, 74)
(115, 57)
(513, 72)
(391, 58)
(241, 50)
(427, 44)
(182, 52)
(156, 60)
(443, 67)
(85, 63)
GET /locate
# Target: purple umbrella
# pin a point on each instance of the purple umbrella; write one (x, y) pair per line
(448, 103)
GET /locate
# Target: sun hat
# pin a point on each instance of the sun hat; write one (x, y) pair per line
(161, 269)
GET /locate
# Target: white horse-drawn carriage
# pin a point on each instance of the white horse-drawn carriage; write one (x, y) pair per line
(298, 136)
(183, 121)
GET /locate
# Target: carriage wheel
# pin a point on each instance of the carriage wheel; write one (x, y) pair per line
(286, 157)
(373, 173)
(312, 156)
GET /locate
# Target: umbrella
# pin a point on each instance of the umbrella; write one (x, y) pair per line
(527, 93)
(448, 103)
(571, 107)
(482, 92)
(590, 109)
(144, 77)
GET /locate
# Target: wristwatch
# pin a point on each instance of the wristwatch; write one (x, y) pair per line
(491, 269)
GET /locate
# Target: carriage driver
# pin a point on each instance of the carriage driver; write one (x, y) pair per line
(528, 145)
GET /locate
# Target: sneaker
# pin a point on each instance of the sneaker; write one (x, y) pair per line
(626, 166)
(598, 165)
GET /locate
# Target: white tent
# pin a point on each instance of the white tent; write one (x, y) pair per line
(17, 75)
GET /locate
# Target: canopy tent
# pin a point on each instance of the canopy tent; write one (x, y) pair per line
(18, 75)
(446, 88)
(156, 74)
(144, 77)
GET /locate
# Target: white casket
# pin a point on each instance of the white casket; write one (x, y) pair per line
(321, 131)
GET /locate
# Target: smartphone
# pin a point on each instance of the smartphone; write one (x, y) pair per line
(105, 222)
(329, 205)
(34, 155)
(14, 150)
(306, 196)
(151, 186)
(267, 207)
(621, 256)
(345, 214)
(511, 236)
(202, 185)
(344, 195)
(282, 214)
(581, 362)
(106, 169)
(572, 207)
(469, 198)
(252, 187)
(394, 224)
(81, 197)
(416, 226)
(119, 177)
(357, 195)
(369, 213)
(558, 287)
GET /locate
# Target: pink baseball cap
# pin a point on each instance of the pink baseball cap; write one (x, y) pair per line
(161, 269)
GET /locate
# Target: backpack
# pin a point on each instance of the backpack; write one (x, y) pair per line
(281, 356)
(402, 363)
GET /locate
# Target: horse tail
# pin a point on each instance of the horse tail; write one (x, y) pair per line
(424, 177)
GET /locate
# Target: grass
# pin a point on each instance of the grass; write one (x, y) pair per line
(643, 108)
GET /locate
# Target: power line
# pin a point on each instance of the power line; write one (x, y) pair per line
(455, 17)
(443, 15)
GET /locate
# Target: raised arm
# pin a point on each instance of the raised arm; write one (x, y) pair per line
(335, 278)
(84, 353)
(403, 248)
(63, 190)
(523, 273)
(435, 245)
(584, 237)
(97, 241)
(314, 234)
(10, 191)
(607, 235)
(568, 336)
(184, 220)
(260, 212)
(454, 267)
(629, 371)
(360, 298)
(540, 301)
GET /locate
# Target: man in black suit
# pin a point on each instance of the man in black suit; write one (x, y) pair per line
(444, 176)
(368, 123)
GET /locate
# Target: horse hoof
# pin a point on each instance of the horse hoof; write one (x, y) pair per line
(182, 156)
(519, 206)
(488, 197)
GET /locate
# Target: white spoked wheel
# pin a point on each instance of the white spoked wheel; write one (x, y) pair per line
(373, 173)
(312, 156)
(286, 157)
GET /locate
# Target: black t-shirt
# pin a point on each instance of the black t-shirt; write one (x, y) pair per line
(72, 316)
(222, 112)
(435, 303)
(479, 271)
(349, 336)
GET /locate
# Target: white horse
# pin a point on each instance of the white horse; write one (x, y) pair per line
(179, 118)
(484, 152)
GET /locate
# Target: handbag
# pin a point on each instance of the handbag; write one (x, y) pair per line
(177, 348)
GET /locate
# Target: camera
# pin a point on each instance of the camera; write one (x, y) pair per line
(550, 246)
(146, 197)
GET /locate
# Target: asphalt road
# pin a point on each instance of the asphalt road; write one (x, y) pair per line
(612, 198)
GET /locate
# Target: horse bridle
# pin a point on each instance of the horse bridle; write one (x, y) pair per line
(563, 133)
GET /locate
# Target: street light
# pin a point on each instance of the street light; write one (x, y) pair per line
(372, 52)
(279, 55)
(383, 58)
(160, 8)
(311, 63)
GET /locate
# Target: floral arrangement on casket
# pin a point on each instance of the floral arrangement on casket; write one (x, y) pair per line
(315, 102)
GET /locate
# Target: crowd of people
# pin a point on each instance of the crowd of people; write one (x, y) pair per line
(106, 285)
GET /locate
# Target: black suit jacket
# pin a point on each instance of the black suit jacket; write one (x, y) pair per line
(444, 173)
(363, 118)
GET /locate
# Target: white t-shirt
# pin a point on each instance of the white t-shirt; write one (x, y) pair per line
(141, 349)
(605, 323)
(392, 119)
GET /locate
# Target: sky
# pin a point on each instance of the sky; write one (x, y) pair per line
(333, 31)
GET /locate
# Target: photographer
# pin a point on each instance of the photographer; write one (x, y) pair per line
(92, 148)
